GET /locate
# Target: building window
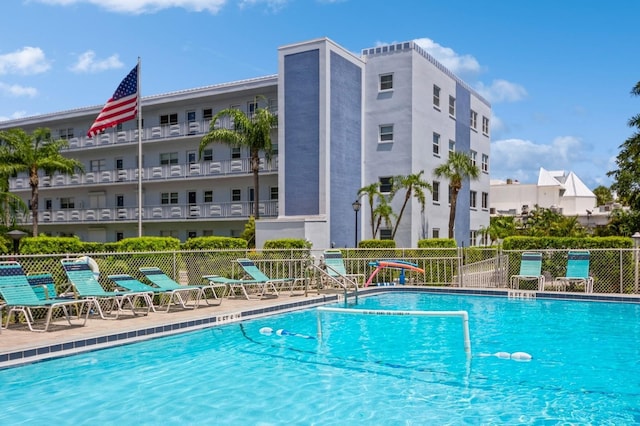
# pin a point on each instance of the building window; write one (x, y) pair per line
(474, 120)
(207, 155)
(119, 235)
(472, 199)
(436, 144)
(485, 200)
(168, 119)
(485, 163)
(65, 133)
(252, 106)
(273, 106)
(236, 195)
(385, 184)
(452, 146)
(273, 193)
(236, 152)
(207, 114)
(485, 125)
(436, 96)
(473, 238)
(207, 196)
(67, 203)
(119, 164)
(473, 155)
(386, 82)
(191, 234)
(167, 158)
(385, 234)
(436, 191)
(97, 165)
(119, 127)
(435, 233)
(452, 106)
(169, 198)
(119, 200)
(386, 133)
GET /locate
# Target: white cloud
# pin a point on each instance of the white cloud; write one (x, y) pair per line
(87, 63)
(15, 115)
(17, 90)
(28, 60)
(273, 5)
(456, 63)
(502, 91)
(146, 6)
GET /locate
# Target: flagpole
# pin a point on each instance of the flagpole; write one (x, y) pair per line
(139, 154)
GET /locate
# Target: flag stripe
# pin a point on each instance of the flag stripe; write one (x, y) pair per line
(121, 107)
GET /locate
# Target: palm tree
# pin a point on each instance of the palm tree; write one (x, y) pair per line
(383, 212)
(253, 132)
(458, 168)
(372, 192)
(413, 186)
(31, 153)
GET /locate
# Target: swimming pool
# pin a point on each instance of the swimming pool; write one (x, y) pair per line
(364, 370)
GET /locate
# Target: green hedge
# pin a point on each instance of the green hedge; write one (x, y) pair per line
(377, 244)
(214, 243)
(437, 243)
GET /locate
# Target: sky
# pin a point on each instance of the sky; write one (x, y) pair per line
(558, 74)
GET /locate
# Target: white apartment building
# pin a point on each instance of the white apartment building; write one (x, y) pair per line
(345, 121)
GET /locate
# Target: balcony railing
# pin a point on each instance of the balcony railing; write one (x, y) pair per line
(149, 174)
(164, 213)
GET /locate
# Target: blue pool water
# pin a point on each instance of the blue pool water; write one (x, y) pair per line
(365, 370)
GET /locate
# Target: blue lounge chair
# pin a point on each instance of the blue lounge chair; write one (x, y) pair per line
(86, 286)
(20, 296)
(577, 271)
(335, 269)
(259, 284)
(530, 270)
(161, 280)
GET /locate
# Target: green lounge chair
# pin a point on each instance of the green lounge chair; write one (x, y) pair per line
(264, 285)
(86, 286)
(530, 270)
(336, 271)
(19, 296)
(161, 280)
(577, 271)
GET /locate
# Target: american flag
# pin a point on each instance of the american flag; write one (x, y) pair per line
(123, 105)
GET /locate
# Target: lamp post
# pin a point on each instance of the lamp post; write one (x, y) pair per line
(356, 208)
(16, 235)
(636, 243)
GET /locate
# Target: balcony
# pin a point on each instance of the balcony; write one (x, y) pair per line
(165, 213)
(206, 169)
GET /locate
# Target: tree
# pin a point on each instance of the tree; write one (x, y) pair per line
(413, 186)
(457, 169)
(253, 132)
(31, 153)
(603, 195)
(383, 213)
(627, 175)
(372, 192)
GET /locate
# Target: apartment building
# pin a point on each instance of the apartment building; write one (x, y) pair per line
(345, 121)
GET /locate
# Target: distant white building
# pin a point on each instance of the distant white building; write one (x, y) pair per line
(559, 191)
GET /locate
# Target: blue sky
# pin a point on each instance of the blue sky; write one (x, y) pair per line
(558, 73)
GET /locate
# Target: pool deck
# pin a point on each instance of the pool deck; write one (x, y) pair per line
(19, 345)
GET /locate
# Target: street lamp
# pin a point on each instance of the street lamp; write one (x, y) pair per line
(356, 208)
(16, 235)
(636, 243)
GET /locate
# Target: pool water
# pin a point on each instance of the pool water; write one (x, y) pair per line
(364, 370)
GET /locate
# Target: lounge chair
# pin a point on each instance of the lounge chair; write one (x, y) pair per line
(264, 285)
(86, 286)
(19, 296)
(530, 270)
(334, 267)
(577, 271)
(161, 280)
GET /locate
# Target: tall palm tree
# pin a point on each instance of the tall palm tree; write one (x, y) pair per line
(458, 168)
(372, 192)
(383, 213)
(253, 132)
(31, 153)
(413, 186)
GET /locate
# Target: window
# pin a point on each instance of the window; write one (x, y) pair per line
(474, 120)
(273, 194)
(119, 235)
(485, 125)
(273, 106)
(386, 133)
(97, 165)
(207, 196)
(168, 119)
(169, 198)
(485, 163)
(65, 133)
(119, 127)
(119, 164)
(168, 158)
(385, 184)
(236, 195)
(207, 155)
(473, 237)
(436, 96)
(252, 106)
(236, 152)
(472, 199)
(207, 114)
(191, 234)
(386, 82)
(452, 146)
(435, 233)
(119, 200)
(67, 203)
(473, 155)
(485, 200)
(435, 193)
(452, 106)
(436, 144)
(385, 234)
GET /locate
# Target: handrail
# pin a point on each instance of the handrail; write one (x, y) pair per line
(337, 281)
